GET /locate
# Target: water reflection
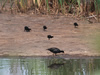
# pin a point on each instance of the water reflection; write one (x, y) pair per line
(49, 66)
(55, 65)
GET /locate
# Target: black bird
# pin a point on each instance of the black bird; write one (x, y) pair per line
(55, 65)
(75, 25)
(55, 50)
(50, 36)
(27, 29)
(44, 28)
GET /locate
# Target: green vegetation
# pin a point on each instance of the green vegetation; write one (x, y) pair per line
(76, 7)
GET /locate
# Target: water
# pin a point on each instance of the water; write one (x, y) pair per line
(49, 66)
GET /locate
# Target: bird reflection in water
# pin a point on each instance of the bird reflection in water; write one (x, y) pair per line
(55, 65)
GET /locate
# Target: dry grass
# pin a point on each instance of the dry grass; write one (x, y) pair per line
(75, 7)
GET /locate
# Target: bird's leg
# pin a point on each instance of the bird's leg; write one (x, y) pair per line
(44, 29)
(24, 30)
(75, 27)
(53, 54)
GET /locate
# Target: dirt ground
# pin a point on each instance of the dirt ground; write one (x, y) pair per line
(15, 42)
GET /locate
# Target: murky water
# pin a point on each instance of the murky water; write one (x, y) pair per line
(49, 66)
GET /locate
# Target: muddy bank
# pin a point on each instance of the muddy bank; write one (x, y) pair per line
(15, 42)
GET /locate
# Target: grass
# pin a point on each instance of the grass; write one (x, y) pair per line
(76, 7)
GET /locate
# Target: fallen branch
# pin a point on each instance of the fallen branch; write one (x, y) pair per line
(93, 16)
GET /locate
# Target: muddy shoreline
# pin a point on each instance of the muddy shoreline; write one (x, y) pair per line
(74, 41)
(65, 57)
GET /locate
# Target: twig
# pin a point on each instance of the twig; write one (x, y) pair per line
(92, 17)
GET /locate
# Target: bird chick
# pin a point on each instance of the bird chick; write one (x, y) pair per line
(44, 28)
(27, 29)
(50, 36)
(75, 25)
